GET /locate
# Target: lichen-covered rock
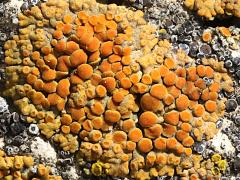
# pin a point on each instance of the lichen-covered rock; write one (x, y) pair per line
(21, 167)
(209, 9)
(97, 81)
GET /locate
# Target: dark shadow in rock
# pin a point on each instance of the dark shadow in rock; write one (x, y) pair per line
(226, 22)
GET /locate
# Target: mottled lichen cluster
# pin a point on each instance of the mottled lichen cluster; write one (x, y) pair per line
(96, 80)
(211, 8)
(23, 168)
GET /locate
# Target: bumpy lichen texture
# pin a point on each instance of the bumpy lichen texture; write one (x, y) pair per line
(97, 81)
(212, 8)
(22, 167)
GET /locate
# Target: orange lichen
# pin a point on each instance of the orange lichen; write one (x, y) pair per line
(77, 113)
(127, 70)
(154, 131)
(53, 98)
(213, 96)
(117, 49)
(224, 31)
(180, 82)
(71, 46)
(94, 57)
(200, 83)
(170, 78)
(140, 88)
(150, 159)
(97, 108)
(205, 95)
(131, 146)
(214, 87)
(201, 70)
(188, 141)
(74, 79)
(171, 117)
(65, 129)
(106, 48)
(106, 143)
(155, 75)
(168, 130)
(85, 81)
(111, 105)
(78, 57)
(160, 143)
(211, 106)
(87, 125)
(125, 83)
(175, 92)
(60, 46)
(168, 99)
(63, 63)
(39, 85)
(127, 51)
(119, 136)
(86, 36)
(195, 94)
(148, 119)
(95, 135)
(63, 88)
(112, 116)
(135, 134)
(207, 36)
(67, 28)
(163, 70)
(198, 110)
(159, 91)
(169, 63)
(181, 72)
(114, 58)
(67, 19)
(49, 74)
(118, 97)
(93, 45)
(75, 127)
(145, 145)
(85, 71)
(185, 116)
(127, 125)
(111, 24)
(182, 102)
(58, 34)
(146, 79)
(197, 134)
(120, 39)
(105, 66)
(179, 149)
(161, 158)
(134, 78)
(109, 83)
(111, 34)
(192, 74)
(97, 123)
(188, 151)
(171, 143)
(209, 72)
(186, 127)
(181, 135)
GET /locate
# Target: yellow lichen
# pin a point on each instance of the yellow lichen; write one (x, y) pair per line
(19, 167)
(210, 9)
